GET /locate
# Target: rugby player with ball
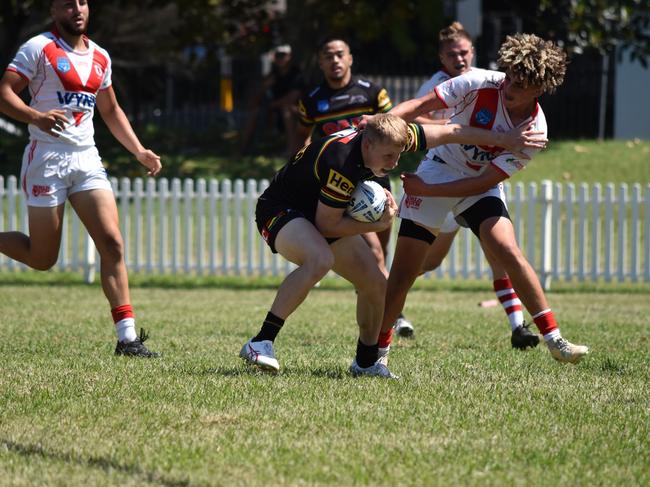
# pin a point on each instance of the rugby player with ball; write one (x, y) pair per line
(303, 216)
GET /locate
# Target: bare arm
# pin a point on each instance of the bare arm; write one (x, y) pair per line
(411, 109)
(514, 140)
(333, 222)
(414, 186)
(121, 129)
(13, 106)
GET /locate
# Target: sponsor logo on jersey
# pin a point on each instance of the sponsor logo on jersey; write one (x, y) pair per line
(412, 202)
(322, 105)
(339, 183)
(68, 98)
(40, 190)
(363, 83)
(483, 116)
(99, 70)
(358, 99)
(62, 64)
(340, 97)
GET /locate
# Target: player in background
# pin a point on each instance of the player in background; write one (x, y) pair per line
(456, 54)
(338, 103)
(302, 216)
(465, 178)
(68, 75)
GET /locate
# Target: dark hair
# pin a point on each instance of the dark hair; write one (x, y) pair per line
(327, 39)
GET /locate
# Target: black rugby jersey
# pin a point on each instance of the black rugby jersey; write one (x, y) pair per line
(327, 170)
(327, 110)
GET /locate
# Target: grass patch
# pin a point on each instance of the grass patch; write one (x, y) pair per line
(468, 410)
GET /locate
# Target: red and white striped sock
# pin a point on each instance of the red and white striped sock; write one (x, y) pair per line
(545, 321)
(510, 301)
(124, 320)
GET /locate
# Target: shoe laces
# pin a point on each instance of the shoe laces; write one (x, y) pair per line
(144, 336)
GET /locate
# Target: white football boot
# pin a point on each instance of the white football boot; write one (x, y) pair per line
(260, 354)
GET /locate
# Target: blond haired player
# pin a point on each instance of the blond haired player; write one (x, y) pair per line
(301, 216)
(68, 75)
(465, 178)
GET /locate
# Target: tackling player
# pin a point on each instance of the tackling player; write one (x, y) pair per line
(68, 75)
(465, 178)
(456, 54)
(301, 216)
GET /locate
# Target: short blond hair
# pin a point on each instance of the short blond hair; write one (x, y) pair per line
(532, 61)
(386, 127)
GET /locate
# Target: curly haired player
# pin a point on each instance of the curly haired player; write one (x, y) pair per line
(465, 178)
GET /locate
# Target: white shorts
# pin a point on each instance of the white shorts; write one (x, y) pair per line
(51, 172)
(450, 225)
(432, 212)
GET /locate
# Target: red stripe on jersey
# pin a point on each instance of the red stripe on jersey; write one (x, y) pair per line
(100, 64)
(70, 78)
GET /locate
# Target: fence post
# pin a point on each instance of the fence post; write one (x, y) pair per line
(546, 198)
(89, 259)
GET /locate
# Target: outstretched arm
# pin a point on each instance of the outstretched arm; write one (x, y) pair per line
(514, 140)
(121, 129)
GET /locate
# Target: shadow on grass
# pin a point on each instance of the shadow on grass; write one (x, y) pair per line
(251, 370)
(98, 462)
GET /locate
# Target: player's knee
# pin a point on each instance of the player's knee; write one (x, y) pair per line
(43, 263)
(431, 265)
(319, 265)
(111, 248)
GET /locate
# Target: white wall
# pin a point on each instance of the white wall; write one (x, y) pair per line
(632, 102)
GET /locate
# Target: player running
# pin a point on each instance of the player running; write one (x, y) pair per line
(301, 216)
(68, 75)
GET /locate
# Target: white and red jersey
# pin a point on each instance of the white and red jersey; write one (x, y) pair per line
(61, 78)
(429, 85)
(477, 100)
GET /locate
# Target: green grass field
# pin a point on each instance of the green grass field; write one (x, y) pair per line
(468, 410)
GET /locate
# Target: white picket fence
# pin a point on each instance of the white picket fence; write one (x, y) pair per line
(197, 227)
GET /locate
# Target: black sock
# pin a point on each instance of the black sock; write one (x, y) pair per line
(366, 354)
(270, 328)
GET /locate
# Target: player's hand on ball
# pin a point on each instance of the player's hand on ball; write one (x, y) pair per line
(413, 184)
(390, 210)
(150, 160)
(518, 139)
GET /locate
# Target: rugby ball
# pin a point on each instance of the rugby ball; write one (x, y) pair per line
(367, 202)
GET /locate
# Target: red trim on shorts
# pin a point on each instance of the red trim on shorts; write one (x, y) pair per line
(30, 158)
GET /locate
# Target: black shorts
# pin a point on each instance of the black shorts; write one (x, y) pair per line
(480, 211)
(408, 228)
(271, 216)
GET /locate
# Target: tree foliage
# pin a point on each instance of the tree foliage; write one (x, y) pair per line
(606, 25)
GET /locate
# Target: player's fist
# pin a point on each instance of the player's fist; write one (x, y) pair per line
(52, 122)
(150, 160)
